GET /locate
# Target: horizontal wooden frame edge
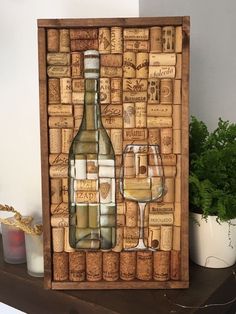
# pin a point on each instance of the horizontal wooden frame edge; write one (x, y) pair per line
(108, 285)
(103, 22)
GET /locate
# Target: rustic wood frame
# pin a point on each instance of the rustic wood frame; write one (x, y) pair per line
(43, 24)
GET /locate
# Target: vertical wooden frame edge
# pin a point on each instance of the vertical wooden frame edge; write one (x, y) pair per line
(44, 156)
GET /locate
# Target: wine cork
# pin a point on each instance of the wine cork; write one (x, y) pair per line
(166, 141)
(94, 266)
(156, 39)
(61, 122)
(77, 64)
(134, 97)
(110, 266)
(166, 238)
(60, 266)
(119, 239)
(144, 265)
(169, 171)
(116, 139)
(52, 40)
(169, 160)
(178, 181)
(140, 115)
(136, 45)
(154, 236)
(136, 33)
(170, 190)
(177, 214)
(111, 60)
(175, 271)
(142, 65)
(129, 115)
(116, 40)
(54, 58)
(116, 91)
(135, 134)
(130, 243)
(127, 265)
(58, 159)
(66, 92)
(129, 64)
(78, 85)
(159, 122)
(157, 219)
(110, 72)
(177, 141)
(162, 71)
(82, 45)
(168, 36)
(53, 91)
(161, 265)
(176, 117)
(153, 91)
(58, 171)
(60, 110)
(87, 197)
(83, 33)
(60, 209)
(67, 137)
(105, 91)
(154, 138)
(129, 165)
(65, 196)
(176, 238)
(77, 266)
(178, 74)
(64, 40)
(55, 141)
(131, 214)
(177, 92)
(60, 220)
(104, 40)
(131, 233)
(159, 110)
(58, 71)
(178, 39)
(58, 239)
(162, 58)
(56, 190)
(67, 247)
(133, 85)
(166, 91)
(77, 98)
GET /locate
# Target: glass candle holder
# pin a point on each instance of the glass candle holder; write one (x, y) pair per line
(34, 254)
(13, 244)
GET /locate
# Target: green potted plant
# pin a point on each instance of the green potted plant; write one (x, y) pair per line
(212, 199)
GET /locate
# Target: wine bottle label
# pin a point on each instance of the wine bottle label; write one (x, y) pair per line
(60, 209)
(153, 91)
(59, 220)
(55, 141)
(64, 40)
(156, 39)
(136, 45)
(58, 239)
(61, 122)
(166, 238)
(153, 139)
(142, 62)
(60, 110)
(116, 40)
(144, 265)
(161, 71)
(129, 64)
(159, 110)
(94, 266)
(82, 45)
(136, 34)
(77, 266)
(60, 266)
(168, 35)
(82, 215)
(154, 237)
(161, 265)
(83, 33)
(134, 97)
(140, 115)
(135, 134)
(110, 266)
(111, 60)
(106, 71)
(104, 40)
(160, 122)
(162, 58)
(58, 71)
(161, 219)
(52, 40)
(177, 92)
(127, 265)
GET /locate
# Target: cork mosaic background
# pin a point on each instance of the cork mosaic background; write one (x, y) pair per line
(140, 102)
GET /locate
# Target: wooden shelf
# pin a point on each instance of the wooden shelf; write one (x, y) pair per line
(26, 293)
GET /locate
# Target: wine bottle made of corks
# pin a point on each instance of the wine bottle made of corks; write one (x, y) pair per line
(91, 183)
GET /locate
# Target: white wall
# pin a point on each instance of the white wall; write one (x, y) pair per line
(213, 53)
(20, 172)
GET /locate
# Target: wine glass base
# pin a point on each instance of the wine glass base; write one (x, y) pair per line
(140, 246)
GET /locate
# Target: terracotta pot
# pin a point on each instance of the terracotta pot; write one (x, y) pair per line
(212, 244)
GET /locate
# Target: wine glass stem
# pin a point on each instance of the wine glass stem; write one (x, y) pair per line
(141, 214)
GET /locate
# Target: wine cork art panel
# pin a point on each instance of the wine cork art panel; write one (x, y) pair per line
(127, 226)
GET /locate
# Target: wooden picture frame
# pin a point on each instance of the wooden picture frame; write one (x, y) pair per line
(181, 280)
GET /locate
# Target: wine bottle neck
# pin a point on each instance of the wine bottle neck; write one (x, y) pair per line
(91, 116)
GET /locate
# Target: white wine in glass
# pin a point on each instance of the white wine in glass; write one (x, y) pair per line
(142, 179)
